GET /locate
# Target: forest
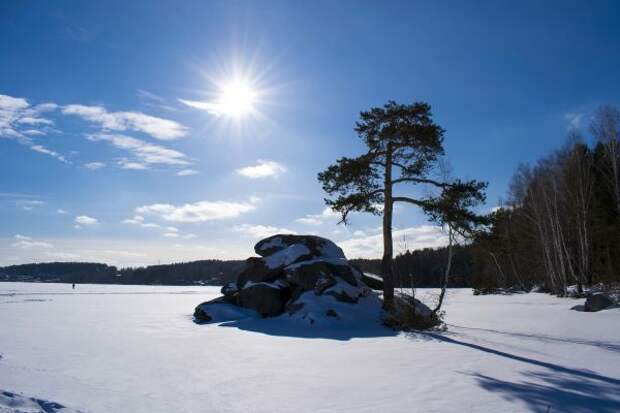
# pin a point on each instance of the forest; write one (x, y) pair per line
(560, 223)
(204, 272)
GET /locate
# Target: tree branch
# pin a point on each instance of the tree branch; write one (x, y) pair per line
(423, 181)
(410, 201)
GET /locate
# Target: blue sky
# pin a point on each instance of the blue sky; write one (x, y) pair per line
(116, 144)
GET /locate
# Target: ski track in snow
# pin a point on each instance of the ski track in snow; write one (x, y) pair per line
(108, 349)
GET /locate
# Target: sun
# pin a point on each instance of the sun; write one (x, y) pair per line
(237, 98)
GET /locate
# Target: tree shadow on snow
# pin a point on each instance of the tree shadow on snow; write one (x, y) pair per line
(557, 393)
(541, 337)
(295, 328)
(561, 389)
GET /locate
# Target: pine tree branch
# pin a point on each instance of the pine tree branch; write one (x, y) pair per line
(417, 202)
(423, 181)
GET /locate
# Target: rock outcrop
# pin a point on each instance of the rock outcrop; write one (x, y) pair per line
(303, 276)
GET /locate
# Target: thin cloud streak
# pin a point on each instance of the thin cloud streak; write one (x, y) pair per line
(197, 212)
(158, 128)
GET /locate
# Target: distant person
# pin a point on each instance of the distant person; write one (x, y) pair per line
(73, 286)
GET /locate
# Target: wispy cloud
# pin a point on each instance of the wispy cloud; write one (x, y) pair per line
(424, 236)
(25, 242)
(21, 121)
(262, 169)
(136, 220)
(11, 110)
(127, 164)
(145, 153)
(212, 108)
(574, 119)
(85, 220)
(29, 204)
(159, 128)
(317, 219)
(260, 231)
(154, 100)
(139, 221)
(53, 154)
(167, 231)
(197, 212)
(186, 172)
(93, 166)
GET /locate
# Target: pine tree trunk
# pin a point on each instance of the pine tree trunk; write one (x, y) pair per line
(386, 263)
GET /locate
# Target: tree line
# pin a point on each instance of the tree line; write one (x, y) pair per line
(425, 267)
(560, 223)
(203, 272)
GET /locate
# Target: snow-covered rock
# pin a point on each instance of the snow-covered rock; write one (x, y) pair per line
(221, 309)
(302, 275)
(318, 246)
(373, 281)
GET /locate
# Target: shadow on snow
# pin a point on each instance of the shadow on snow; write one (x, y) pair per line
(560, 389)
(284, 327)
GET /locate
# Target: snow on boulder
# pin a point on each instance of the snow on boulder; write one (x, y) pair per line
(318, 246)
(300, 276)
(597, 302)
(373, 281)
(220, 310)
(324, 310)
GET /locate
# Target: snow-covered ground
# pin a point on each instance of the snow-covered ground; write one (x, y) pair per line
(135, 349)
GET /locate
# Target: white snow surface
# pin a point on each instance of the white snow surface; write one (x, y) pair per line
(104, 349)
(286, 256)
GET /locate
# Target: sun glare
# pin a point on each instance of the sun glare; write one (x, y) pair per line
(237, 98)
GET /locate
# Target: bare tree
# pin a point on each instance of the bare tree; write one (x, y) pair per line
(606, 129)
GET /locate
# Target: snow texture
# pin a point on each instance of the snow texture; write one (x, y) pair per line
(286, 256)
(104, 349)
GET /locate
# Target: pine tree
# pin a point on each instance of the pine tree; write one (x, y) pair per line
(404, 146)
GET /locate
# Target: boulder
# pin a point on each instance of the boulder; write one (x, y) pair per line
(203, 312)
(266, 299)
(597, 302)
(306, 276)
(256, 270)
(308, 273)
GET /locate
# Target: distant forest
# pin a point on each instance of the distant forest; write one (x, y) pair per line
(426, 266)
(205, 272)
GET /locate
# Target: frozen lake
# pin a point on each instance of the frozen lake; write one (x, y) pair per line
(135, 349)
